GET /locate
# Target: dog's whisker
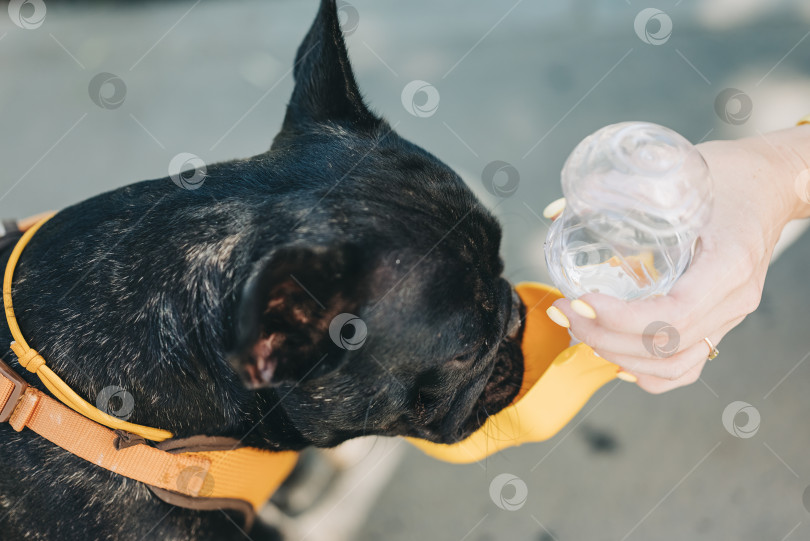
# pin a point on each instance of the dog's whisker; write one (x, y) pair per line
(365, 420)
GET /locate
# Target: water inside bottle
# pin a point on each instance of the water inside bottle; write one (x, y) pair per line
(634, 264)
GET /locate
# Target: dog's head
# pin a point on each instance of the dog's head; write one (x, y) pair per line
(385, 311)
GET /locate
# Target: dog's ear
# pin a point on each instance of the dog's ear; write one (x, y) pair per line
(325, 89)
(290, 318)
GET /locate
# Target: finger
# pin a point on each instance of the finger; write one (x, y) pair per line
(655, 385)
(659, 335)
(672, 367)
(554, 209)
(733, 309)
(693, 296)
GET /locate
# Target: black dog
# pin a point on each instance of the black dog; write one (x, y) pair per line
(213, 308)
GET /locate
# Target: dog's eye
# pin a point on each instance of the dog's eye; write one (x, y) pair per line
(465, 358)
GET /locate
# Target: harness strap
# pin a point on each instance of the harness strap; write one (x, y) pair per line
(200, 472)
(97, 444)
(240, 478)
(32, 361)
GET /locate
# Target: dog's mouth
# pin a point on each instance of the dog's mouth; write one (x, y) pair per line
(506, 379)
(499, 392)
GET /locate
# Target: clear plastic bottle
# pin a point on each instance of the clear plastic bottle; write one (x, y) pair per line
(636, 196)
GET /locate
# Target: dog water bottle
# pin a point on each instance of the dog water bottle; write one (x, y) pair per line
(636, 196)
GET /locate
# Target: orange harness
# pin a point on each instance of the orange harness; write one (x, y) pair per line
(199, 472)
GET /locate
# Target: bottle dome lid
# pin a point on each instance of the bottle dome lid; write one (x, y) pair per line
(639, 173)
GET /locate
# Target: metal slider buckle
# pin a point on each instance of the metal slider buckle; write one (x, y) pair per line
(19, 388)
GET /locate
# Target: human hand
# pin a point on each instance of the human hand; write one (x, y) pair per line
(659, 342)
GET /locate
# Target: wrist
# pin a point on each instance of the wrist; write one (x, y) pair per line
(751, 180)
(787, 153)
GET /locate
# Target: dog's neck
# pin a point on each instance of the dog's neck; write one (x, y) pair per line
(140, 296)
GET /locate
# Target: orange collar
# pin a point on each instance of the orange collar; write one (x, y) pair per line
(200, 472)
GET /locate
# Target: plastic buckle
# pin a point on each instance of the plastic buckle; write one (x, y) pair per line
(19, 388)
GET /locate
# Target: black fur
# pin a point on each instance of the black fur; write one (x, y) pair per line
(181, 296)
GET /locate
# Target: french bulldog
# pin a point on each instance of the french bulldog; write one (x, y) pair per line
(344, 283)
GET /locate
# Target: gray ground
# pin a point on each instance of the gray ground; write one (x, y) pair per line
(631, 466)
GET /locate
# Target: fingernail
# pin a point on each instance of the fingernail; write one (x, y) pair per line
(627, 376)
(556, 315)
(583, 308)
(554, 208)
